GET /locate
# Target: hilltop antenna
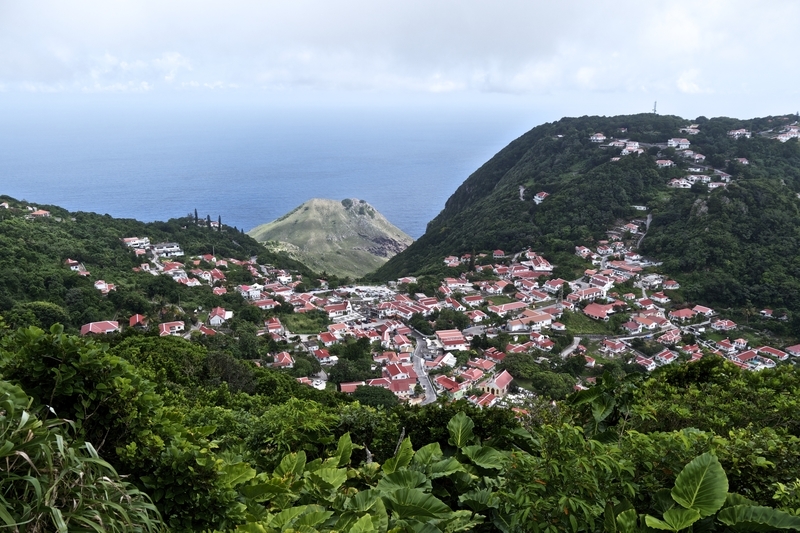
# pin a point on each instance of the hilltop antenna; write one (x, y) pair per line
(654, 107)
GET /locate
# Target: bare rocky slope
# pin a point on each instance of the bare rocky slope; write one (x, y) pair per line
(345, 238)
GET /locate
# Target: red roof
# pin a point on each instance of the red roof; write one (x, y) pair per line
(503, 379)
(106, 326)
(137, 319)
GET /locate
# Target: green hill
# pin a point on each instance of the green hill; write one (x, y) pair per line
(37, 288)
(347, 238)
(729, 246)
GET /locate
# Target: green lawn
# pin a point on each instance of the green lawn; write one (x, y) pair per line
(305, 323)
(578, 323)
(500, 299)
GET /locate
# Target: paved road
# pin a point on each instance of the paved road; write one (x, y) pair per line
(422, 372)
(646, 229)
(571, 348)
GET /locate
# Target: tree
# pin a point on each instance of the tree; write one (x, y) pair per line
(208, 221)
(219, 222)
(375, 396)
(195, 217)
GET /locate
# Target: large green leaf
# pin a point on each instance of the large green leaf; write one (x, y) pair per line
(403, 479)
(602, 407)
(757, 518)
(293, 463)
(477, 500)
(737, 499)
(485, 457)
(266, 490)
(414, 503)
(285, 517)
(585, 396)
(363, 525)
(401, 459)
(626, 521)
(662, 500)
(344, 450)
(329, 478)
(460, 428)
(674, 520)
(428, 453)
(363, 501)
(702, 485)
(236, 474)
(445, 467)
(312, 518)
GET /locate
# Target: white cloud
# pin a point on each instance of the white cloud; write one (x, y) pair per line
(447, 46)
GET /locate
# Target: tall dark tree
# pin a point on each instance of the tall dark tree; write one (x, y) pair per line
(208, 221)
(195, 217)
(219, 222)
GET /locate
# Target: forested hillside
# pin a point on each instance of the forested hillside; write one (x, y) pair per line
(37, 288)
(729, 246)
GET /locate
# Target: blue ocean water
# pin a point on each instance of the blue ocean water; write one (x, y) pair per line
(248, 165)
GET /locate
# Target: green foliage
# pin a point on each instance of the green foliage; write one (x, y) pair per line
(726, 247)
(52, 483)
(375, 397)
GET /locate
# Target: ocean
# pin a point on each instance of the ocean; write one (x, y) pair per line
(247, 164)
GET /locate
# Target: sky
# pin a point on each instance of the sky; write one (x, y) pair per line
(566, 58)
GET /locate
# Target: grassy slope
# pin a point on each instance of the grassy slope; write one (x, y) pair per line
(328, 236)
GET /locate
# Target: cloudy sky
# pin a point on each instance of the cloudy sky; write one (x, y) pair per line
(730, 57)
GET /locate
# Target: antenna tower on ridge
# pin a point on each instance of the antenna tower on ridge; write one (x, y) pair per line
(654, 107)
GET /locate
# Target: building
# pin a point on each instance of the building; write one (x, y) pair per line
(170, 328)
(97, 328)
(498, 385)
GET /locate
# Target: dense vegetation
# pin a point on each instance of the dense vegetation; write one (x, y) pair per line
(36, 288)
(730, 247)
(209, 442)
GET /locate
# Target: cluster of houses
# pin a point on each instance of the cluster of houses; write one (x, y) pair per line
(537, 303)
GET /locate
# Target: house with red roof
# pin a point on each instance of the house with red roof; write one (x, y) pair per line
(327, 339)
(487, 399)
(646, 362)
(614, 347)
(723, 325)
(702, 310)
(449, 385)
(338, 310)
(324, 356)
(670, 337)
(773, 352)
(498, 384)
(170, 328)
(483, 364)
(666, 357)
(283, 360)
(452, 340)
(350, 388)
(100, 328)
(219, 316)
(598, 311)
(682, 314)
(493, 354)
(138, 321)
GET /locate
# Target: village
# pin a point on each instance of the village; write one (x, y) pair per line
(620, 309)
